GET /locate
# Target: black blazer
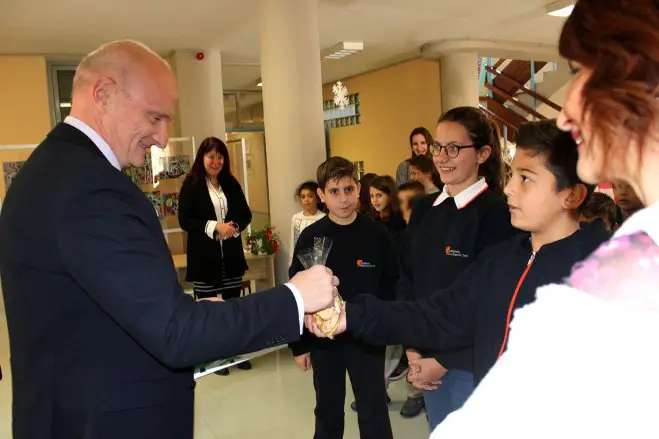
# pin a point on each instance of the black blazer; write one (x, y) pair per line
(102, 337)
(204, 254)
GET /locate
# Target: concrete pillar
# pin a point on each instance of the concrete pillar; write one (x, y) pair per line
(292, 103)
(459, 80)
(201, 98)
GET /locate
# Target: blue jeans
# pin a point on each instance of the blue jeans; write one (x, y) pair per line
(456, 387)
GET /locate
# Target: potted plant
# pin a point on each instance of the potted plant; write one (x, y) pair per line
(264, 242)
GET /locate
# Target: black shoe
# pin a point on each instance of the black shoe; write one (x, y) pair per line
(353, 406)
(245, 365)
(412, 407)
(222, 372)
(399, 372)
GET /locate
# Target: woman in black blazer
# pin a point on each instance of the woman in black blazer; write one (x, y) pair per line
(214, 211)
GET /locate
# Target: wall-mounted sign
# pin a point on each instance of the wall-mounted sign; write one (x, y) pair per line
(337, 117)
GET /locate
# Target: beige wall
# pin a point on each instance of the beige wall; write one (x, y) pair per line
(24, 105)
(394, 101)
(201, 99)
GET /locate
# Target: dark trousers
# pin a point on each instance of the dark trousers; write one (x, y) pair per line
(365, 366)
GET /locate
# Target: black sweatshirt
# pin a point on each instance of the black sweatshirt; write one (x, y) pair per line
(442, 242)
(474, 310)
(364, 258)
(396, 225)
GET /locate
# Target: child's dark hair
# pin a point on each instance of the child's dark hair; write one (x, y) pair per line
(482, 132)
(387, 185)
(334, 169)
(311, 186)
(308, 185)
(421, 131)
(413, 186)
(364, 192)
(425, 164)
(601, 206)
(559, 150)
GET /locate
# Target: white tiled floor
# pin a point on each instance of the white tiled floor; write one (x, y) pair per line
(273, 400)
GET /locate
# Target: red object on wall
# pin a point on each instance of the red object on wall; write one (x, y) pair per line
(200, 55)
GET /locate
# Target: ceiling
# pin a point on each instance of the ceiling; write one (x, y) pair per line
(392, 30)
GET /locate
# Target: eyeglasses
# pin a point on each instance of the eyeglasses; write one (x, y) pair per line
(452, 151)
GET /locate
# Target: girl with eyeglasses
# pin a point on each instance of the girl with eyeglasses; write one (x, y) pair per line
(447, 232)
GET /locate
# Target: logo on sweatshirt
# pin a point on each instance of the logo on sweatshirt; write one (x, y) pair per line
(454, 253)
(363, 264)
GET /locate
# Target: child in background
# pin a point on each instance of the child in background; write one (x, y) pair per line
(422, 169)
(307, 195)
(601, 211)
(364, 203)
(384, 200)
(408, 193)
(364, 257)
(627, 200)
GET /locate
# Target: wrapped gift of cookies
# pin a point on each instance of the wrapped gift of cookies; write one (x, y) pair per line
(328, 318)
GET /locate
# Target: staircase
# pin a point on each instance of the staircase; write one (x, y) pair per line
(514, 92)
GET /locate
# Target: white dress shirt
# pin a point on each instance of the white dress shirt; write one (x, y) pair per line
(465, 197)
(105, 149)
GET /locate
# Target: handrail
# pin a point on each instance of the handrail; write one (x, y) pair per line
(483, 73)
(521, 86)
(515, 101)
(499, 63)
(495, 116)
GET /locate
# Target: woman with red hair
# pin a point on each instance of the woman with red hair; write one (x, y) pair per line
(583, 360)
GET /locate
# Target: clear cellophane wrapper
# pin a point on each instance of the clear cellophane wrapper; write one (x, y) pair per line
(328, 318)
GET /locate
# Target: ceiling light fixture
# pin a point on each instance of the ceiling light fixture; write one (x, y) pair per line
(561, 8)
(65, 105)
(342, 50)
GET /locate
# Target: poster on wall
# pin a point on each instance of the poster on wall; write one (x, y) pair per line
(141, 175)
(156, 201)
(170, 204)
(174, 166)
(10, 170)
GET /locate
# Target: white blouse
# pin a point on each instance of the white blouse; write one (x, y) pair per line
(298, 224)
(221, 205)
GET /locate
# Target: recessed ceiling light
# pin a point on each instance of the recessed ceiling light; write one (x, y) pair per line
(561, 8)
(342, 50)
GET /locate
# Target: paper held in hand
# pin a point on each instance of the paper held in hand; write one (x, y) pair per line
(328, 318)
(208, 368)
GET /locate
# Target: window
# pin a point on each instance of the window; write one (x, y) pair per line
(60, 82)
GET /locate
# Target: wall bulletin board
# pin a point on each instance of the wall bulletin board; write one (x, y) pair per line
(160, 180)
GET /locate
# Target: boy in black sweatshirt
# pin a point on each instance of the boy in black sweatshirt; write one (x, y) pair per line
(545, 196)
(364, 257)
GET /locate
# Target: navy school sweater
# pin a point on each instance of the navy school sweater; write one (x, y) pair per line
(474, 311)
(442, 242)
(364, 258)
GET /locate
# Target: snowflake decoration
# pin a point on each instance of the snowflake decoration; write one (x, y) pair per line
(340, 95)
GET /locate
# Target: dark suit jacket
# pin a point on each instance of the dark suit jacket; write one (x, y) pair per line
(204, 254)
(102, 337)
